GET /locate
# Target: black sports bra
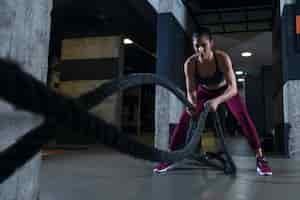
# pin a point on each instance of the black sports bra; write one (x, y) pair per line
(216, 78)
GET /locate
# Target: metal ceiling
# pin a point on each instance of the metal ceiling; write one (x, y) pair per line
(232, 15)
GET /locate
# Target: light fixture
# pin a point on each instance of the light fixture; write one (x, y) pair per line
(239, 72)
(241, 80)
(246, 54)
(127, 41)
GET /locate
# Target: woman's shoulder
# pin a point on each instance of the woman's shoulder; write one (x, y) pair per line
(219, 52)
(191, 59)
(223, 58)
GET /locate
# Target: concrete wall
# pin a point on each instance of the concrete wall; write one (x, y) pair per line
(88, 62)
(268, 92)
(107, 109)
(24, 37)
(90, 47)
(254, 101)
(259, 100)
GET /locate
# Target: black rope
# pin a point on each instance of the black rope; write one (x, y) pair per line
(229, 166)
(92, 98)
(25, 92)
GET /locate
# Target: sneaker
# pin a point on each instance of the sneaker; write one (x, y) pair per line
(163, 167)
(262, 167)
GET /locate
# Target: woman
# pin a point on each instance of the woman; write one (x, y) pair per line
(210, 80)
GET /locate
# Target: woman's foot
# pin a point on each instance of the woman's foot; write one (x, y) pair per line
(262, 167)
(163, 167)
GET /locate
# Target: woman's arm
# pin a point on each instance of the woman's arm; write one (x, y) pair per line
(229, 77)
(191, 88)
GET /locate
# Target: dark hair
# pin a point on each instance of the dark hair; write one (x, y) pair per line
(202, 31)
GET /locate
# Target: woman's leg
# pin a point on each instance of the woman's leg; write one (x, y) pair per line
(239, 110)
(179, 134)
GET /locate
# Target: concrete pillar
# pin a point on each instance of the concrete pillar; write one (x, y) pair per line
(177, 9)
(173, 26)
(24, 37)
(289, 89)
(172, 44)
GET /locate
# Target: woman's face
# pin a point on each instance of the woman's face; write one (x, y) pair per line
(203, 45)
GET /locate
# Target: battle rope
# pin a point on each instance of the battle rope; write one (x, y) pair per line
(25, 92)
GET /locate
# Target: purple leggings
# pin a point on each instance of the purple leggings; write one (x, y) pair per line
(235, 105)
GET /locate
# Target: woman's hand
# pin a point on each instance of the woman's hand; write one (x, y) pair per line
(192, 98)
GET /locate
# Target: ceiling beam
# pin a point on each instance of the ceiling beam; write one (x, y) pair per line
(267, 20)
(243, 31)
(221, 20)
(143, 9)
(233, 10)
(247, 18)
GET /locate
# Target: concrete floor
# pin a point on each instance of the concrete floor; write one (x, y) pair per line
(103, 174)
